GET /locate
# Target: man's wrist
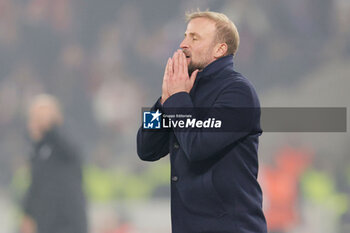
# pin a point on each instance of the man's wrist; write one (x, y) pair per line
(177, 91)
(163, 99)
(177, 100)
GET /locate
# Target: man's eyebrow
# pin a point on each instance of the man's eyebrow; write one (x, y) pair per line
(192, 34)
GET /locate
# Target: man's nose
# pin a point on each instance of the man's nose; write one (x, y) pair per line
(184, 44)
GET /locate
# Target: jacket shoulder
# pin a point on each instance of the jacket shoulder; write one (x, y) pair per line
(233, 81)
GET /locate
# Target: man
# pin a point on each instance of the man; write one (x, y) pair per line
(214, 186)
(55, 202)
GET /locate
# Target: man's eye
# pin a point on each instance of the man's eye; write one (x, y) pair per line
(194, 38)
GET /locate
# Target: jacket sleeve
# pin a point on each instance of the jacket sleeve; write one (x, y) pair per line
(30, 202)
(200, 144)
(152, 144)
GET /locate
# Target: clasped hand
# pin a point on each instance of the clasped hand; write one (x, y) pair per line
(176, 78)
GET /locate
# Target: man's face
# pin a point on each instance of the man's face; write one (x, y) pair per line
(198, 44)
(42, 116)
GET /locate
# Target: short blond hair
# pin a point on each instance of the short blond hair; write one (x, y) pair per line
(226, 30)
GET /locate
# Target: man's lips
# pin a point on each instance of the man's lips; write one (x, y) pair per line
(186, 54)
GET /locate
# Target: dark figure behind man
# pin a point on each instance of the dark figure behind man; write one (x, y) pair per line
(55, 202)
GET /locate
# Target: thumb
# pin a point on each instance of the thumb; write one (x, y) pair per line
(194, 76)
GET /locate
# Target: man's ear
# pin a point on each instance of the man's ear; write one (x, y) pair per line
(220, 50)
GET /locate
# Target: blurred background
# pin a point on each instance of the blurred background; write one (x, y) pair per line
(104, 60)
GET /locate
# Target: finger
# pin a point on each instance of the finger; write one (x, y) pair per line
(180, 61)
(171, 68)
(166, 75)
(174, 55)
(184, 63)
(166, 71)
(194, 76)
(176, 63)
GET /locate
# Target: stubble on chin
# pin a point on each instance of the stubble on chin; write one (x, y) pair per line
(192, 67)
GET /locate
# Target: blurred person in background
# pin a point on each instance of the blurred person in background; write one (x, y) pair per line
(280, 184)
(214, 184)
(55, 202)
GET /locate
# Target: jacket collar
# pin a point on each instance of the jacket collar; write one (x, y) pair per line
(217, 65)
(48, 137)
